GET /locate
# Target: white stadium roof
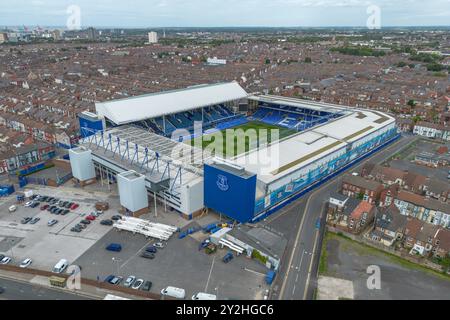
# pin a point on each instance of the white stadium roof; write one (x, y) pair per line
(155, 105)
(292, 153)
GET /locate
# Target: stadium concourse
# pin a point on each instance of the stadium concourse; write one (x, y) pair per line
(147, 134)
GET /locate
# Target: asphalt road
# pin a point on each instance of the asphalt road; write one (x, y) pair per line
(15, 290)
(300, 264)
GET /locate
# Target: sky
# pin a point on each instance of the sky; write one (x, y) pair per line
(224, 13)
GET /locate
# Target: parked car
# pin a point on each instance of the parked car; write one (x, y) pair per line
(65, 212)
(29, 203)
(137, 284)
(114, 247)
(34, 204)
(151, 249)
(74, 206)
(44, 207)
(129, 282)
(35, 220)
(80, 226)
(109, 278)
(25, 263)
(146, 286)
(90, 218)
(116, 280)
(85, 221)
(52, 222)
(116, 217)
(5, 260)
(107, 222)
(228, 257)
(25, 220)
(12, 209)
(147, 255)
(174, 292)
(75, 229)
(159, 245)
(1, 256)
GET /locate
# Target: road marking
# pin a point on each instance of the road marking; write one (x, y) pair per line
(296, 278)
(293, 290)
(255, 272)
(301, 259)
(133, 256)
(310, 266)
(210, 272)
(327, 184)
(283, 286)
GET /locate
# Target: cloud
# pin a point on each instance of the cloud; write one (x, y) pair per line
(166, 13)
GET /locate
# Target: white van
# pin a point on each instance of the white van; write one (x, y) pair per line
(60, 266)
(174, 292)
(204, 296)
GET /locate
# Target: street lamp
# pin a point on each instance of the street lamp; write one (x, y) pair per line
(11, 249)
(118, 260)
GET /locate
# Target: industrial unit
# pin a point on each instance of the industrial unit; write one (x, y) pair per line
(135, 136)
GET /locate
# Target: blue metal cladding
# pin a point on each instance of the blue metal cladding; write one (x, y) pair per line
(89, 126)
(229, 194)
(320, 173)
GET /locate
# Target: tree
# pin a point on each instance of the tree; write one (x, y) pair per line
(308, 60)
(411, 103)
(267, 61)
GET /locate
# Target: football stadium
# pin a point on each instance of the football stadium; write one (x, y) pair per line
(218, 148)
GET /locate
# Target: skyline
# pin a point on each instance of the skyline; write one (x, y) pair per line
(230, 13)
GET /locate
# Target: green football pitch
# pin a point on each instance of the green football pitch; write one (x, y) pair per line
(240, 139)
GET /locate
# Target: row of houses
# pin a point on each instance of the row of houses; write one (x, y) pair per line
(387, 226)
(438, 131)
(413, 194)
(26, 157)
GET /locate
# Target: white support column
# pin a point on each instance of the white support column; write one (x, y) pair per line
(154, 199)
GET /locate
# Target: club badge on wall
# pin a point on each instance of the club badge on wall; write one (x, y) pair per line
(222, 183)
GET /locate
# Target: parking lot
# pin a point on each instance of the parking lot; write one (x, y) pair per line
(46, 245)
(179, 264)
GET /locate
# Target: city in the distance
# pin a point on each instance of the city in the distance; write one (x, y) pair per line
(225, 150)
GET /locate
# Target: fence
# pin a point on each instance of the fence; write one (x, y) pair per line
(88, 282)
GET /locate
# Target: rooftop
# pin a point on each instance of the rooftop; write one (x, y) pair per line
(155, 105)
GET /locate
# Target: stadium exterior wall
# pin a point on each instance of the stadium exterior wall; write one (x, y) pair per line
(282, 196)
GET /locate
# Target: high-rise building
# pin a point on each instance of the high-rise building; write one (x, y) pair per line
(152, 37)
(56, 34)
(91, 33)
(3, 37)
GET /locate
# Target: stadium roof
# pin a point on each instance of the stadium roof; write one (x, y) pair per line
(155, 105)
(292, 153)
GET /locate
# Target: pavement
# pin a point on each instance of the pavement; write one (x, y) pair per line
(15, 290)
(297, 278)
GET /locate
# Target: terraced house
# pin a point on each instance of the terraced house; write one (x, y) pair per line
(423, 208)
